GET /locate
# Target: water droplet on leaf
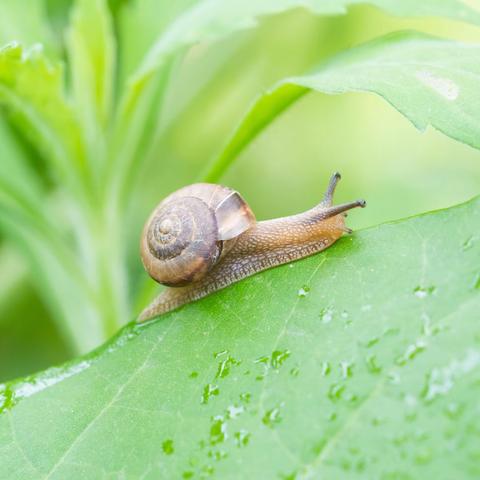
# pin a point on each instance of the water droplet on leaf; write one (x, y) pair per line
(224, 367)
(325, 368)
(372, 364)
(335, 391)
(167, 446)
(242, 438)
(304, 291)
(208, 391)
(278, 357)
(245, 397)
(218, 430)
(346, 368)
(422, 292)
(272, 417)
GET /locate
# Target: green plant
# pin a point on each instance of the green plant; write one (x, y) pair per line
(385, 323)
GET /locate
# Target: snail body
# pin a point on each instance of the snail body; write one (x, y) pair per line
(204, 237)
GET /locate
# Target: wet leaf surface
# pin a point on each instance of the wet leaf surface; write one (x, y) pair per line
(374, 374)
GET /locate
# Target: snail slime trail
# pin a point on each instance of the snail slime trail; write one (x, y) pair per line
(205, 237)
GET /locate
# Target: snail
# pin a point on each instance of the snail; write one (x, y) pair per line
(205, 237)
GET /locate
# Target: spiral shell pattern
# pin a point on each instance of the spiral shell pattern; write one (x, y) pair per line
(181, 241)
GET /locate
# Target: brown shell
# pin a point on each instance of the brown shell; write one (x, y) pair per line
(182, 239)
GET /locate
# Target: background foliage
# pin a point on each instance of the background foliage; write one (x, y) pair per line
(108, 106)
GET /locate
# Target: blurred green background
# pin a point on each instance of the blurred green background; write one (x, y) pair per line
(382, 157)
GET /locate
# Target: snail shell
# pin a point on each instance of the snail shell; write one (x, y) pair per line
(184, 237)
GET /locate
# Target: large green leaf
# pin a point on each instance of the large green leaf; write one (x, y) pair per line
(359, 362)
(211, 20)
(429, 80)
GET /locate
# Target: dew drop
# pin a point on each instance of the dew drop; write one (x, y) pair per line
(272, 417)
(275, 361)
(351, 398)
(422, 292)
(245, 397)
(326, 315)
(346, 369)
(167, 446)
(453, 410)
(278, 357)
(427, 325)
(441, 380)
(336, 391)
(242, 438)
(224, 367)
(263, 359)
(218, 430)
(208, 391)
(372, 364)
(332, 416)
(366, 308)
(187, 474)
(468, 243)
(394, 378)
(219, 354)
(373, 341)
(207, 470)
(411, 352)
(193, 375)
(326, 368)
(476, 282)
(233, 411)
(294, 372)
(303, 291)
(217, 455)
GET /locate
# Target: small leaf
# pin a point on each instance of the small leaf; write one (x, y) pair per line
(32, 90)
(350, 409)
(92, 53)
(429, 80)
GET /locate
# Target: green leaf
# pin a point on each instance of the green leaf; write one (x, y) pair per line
(360, 362)
(208, 21)
(31, 88)
(429, 80)
(92, 53)
(28, 221)
(140, 23)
